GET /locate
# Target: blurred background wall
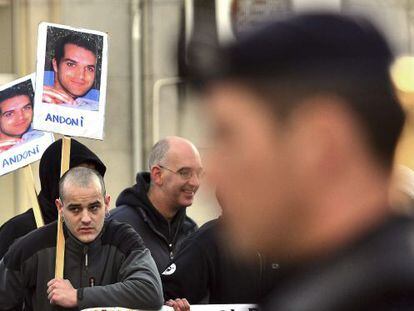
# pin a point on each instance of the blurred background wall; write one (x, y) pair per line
(145, 98)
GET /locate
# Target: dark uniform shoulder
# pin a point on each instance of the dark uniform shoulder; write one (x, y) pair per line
(127, 214)
(14, 228)
(190, 222)
(122, 236)
(20, 224)
(206, 231)
(122, 210)
(376, 273)
(209, 225)
(189, 225)
(204, 239)
(28, 245)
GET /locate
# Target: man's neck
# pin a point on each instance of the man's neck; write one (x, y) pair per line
(4, 137)
(346, 212)
(59, 87)
(160, 202)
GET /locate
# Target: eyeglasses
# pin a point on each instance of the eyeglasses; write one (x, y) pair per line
(186, 173)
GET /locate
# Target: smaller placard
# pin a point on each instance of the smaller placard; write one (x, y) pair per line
(20, 144)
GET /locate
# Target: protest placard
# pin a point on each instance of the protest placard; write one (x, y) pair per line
(20, 143)
(71, 80)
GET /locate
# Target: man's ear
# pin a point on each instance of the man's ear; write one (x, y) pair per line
(107, 201)
(59, 205)
(55, 65)
(327, 135)
(156, 175)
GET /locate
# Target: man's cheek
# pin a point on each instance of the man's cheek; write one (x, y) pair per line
(10, 123)
(90, 77)
(69, 73)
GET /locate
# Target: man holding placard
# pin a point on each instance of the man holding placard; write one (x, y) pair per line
(106, 263)
(49, 175)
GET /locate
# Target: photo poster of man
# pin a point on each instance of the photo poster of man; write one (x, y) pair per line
(20, 144)
(71, 81)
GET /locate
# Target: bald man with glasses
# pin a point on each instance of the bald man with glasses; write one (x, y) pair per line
(156, 205)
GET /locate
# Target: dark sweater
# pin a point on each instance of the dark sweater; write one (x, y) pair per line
(49, 174)
(206, 266)
(374, 273)
(124, 273)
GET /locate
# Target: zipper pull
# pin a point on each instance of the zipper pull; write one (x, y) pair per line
(171, 251)
(85, 251)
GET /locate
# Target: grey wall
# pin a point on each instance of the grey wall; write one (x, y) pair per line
(177, 116)
(129, 119)
(6, 51)
(112, 17)
(159, 25)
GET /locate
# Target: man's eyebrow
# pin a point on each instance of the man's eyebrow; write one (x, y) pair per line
(72, 205)
(95, 203)
(10, 110)
(69, 59)
(3, 112)
(189, 168)
(66, 59)
(184, 167)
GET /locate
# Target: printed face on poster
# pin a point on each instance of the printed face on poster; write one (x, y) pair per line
(71, 81)
(20, 144)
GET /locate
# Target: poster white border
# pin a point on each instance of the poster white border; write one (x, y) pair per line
(27, 152)
(66, 120)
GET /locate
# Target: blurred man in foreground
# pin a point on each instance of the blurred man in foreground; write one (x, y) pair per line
(106, 263)
(306, 121)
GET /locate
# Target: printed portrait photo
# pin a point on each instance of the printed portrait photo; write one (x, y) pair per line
(16, 115)
(71, 77)
(20, 143)
(72, 69)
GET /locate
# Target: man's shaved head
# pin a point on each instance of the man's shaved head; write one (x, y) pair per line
(80, 176)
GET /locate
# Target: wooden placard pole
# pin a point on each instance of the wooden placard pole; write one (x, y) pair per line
(60, 239)
(31, 190)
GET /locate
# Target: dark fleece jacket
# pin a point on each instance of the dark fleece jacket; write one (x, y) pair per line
(49, 174)
(208, 267)
(122, 270)
(163, 238)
